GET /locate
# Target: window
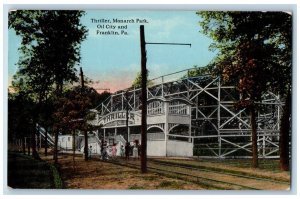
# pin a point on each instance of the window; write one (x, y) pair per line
(156, 107)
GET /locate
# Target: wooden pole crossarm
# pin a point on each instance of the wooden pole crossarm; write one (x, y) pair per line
(181, 44)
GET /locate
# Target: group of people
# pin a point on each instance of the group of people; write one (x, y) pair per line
(105, 149)
(125, 152)
(134, 150)
(107, 152)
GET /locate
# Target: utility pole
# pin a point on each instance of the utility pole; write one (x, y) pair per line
(144, 102)
(127, 116)
(144, 96)
(85, 131)
(81, 79)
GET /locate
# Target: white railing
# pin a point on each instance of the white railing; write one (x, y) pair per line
(133, 137)
(180, 109)
(150, 136)
(120, 138)
(42, 132)
(98, 140)
(155, 136)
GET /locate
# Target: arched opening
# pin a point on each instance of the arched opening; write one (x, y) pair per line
(178, 132)
(155, 133)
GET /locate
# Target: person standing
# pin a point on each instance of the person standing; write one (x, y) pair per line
(122, 151)
(135, 151)
(139, 151)
(104, 152)
(113, 151)
(101, 149)
(127, 149)
(90, 152)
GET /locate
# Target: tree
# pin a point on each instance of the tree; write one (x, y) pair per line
(73, 110)
(50, 44)
(45, 119)
(50, 50)
(137, 83)
(254, 53)
(20, 117)
(198, 71)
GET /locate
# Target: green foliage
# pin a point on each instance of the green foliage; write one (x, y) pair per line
(72, 108)
(26, 172)
(200, 71)
(20, 115)
(137, 83)
(50, 50)
(58, 184)
(255, 54)
(50, 47)
(254, 50)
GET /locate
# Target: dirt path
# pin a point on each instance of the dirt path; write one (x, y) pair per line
(96, 174)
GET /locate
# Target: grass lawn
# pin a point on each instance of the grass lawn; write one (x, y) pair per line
(24, 172)
(100, 175)
(96, 174)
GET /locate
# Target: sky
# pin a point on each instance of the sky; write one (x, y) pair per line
(113, 61)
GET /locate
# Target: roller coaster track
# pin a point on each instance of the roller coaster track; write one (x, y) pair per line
(214, 118)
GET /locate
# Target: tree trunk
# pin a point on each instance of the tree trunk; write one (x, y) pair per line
(35, 154)
(284, 134)
(58, 90)
(33, 144)
(55, 146)
(28, 146)
(23, 145)
(254, 137)
(46, 144)
(85, 145)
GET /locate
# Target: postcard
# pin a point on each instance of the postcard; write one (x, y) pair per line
(149, 100)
